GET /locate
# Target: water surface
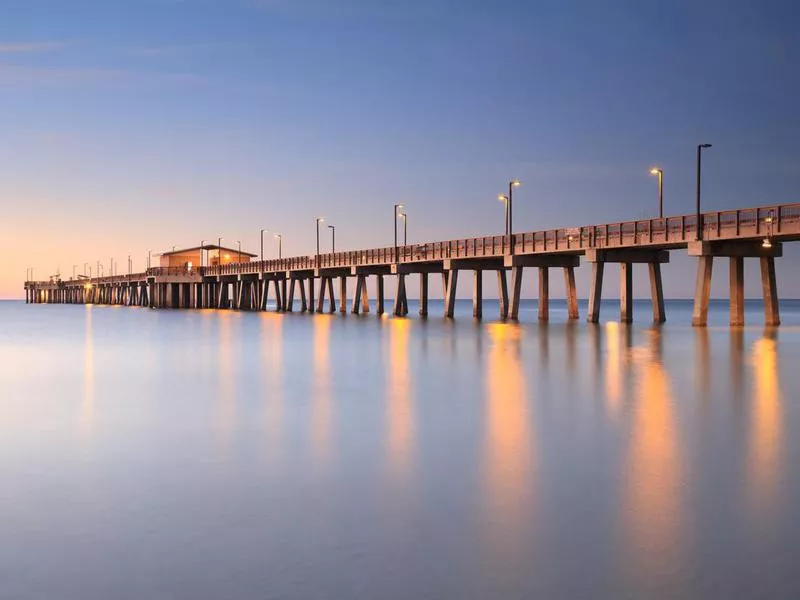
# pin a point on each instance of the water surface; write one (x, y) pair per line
(215, 454)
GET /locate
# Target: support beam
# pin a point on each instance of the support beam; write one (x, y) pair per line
(450, 297)
(364, 294)
(399, 296)
(502, 293)
(343, 294)
(379, 280)
(355, 308)
(516, 290)
(423, 294)
(702, 291)
(303, 301)
(571, 293)
(278, 295)
(595, 292)
(290, 296)
(544, 294)
(311, 286)
(657, 293)
(625, 292)
(331, 297)
(736, 291)
(772, 317)
(477, 294)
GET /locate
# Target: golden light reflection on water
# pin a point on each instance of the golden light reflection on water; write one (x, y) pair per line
(508, 444)
(321, 401)
(652, 504)
(400, 414)
(766, 431)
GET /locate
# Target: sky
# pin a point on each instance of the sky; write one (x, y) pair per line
(136, 125)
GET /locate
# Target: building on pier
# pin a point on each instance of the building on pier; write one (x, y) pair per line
(205, 255)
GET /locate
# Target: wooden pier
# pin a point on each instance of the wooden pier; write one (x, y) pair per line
(736, 234)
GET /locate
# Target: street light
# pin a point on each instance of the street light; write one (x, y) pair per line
(85, 268)
(149, 252)
(660, 173)
(202, 247)
(333, 238)
(698, 217)
(219, 252)
(240, 250)
(404, 216)
(262, 244)
(767, 243)
(73, 270)
(130, 265)
(279, 237)
(318, 220)
(396, 252)
(511, 185)
(504, 199)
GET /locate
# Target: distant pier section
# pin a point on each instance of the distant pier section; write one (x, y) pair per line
(234, 280)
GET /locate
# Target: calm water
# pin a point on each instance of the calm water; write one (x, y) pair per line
(175, 454)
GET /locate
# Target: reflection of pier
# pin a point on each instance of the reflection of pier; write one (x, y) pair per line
(736, 235)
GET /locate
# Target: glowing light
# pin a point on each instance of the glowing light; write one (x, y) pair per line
(516, 182)
(766, 243)
(502, 198)
(656, 171)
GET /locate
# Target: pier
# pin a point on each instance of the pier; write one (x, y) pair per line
(756, 233)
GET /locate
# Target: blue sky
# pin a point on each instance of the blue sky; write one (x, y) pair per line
(136, 125)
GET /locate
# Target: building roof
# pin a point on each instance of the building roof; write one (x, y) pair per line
(208, 247)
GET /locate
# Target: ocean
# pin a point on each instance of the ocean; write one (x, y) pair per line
(233, 455)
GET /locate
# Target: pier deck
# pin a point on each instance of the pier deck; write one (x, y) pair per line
(733, 234)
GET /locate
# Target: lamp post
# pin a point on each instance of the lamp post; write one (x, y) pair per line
(404, 216)
(73, 270)
(504, 199)
(202, 247)
(333, 238)
(396, 252)
(511, 185)
(660, 172)
(130, 265)
(149, 253)
(239, 257)
(85, 268)
(262, 244)
(318, 220)
(279, 237)
(767, 243)
(698, 217)
(219, 252)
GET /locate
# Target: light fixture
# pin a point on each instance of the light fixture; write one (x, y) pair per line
(766, 243)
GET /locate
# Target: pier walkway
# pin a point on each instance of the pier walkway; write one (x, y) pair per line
(733, 234)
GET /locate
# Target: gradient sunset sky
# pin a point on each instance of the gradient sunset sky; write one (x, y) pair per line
(136, 125)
